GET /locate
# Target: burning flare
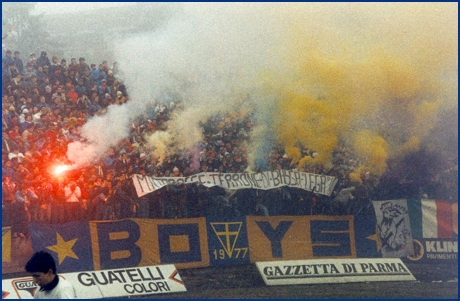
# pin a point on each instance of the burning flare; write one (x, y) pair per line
(60, 169)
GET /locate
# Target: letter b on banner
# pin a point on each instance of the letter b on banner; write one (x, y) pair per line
(117, 244)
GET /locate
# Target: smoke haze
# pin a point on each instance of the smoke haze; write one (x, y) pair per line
(377, 75)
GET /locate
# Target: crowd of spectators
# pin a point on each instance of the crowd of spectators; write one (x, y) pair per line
(45, 102)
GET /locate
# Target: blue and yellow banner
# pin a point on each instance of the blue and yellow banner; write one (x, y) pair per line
(300, 237)
(228, 242)
(98, 245)
(367, 240)
(6, 244)
(70, 244)
(201, 242)
(195, 242)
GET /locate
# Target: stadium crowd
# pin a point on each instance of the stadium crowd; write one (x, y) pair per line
(45, 102)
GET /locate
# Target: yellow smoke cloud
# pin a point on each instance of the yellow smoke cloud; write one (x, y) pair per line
(160, 142)
(373, 149)
(294, 153)
(379, 87)
(372, 75)
(305, 161)
(355, 177)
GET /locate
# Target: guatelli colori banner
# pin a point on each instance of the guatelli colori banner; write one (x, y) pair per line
(161, 279)
(320, 184)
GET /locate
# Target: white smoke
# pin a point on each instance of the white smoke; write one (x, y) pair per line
(209, 57)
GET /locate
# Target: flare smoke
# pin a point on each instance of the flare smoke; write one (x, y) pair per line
(374, 74)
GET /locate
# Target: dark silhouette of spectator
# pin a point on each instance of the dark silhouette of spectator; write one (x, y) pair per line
(43, 60)
(20, 215)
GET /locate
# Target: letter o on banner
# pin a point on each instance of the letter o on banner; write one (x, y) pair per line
(168, 253)
(153, 286)
(138, 288)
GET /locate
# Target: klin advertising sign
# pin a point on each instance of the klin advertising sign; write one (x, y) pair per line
(333, 271)
(126, 282)
(435, 250)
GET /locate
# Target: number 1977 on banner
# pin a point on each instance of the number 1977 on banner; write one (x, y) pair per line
(235, 253)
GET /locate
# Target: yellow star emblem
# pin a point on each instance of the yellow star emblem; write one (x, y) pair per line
(376, 238)
(63, 248)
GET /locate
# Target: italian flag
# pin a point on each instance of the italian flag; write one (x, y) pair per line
(432, 218)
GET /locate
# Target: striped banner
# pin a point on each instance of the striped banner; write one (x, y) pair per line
(431, 218)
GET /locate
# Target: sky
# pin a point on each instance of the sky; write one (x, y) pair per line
(61, 7)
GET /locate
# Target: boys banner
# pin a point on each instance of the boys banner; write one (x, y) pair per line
(394, 228)
(97, 245)
(201, 242)
(198, 242)
(320, 184)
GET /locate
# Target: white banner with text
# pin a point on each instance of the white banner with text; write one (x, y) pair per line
(321, 184)
(333, 271)
(126, 282)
